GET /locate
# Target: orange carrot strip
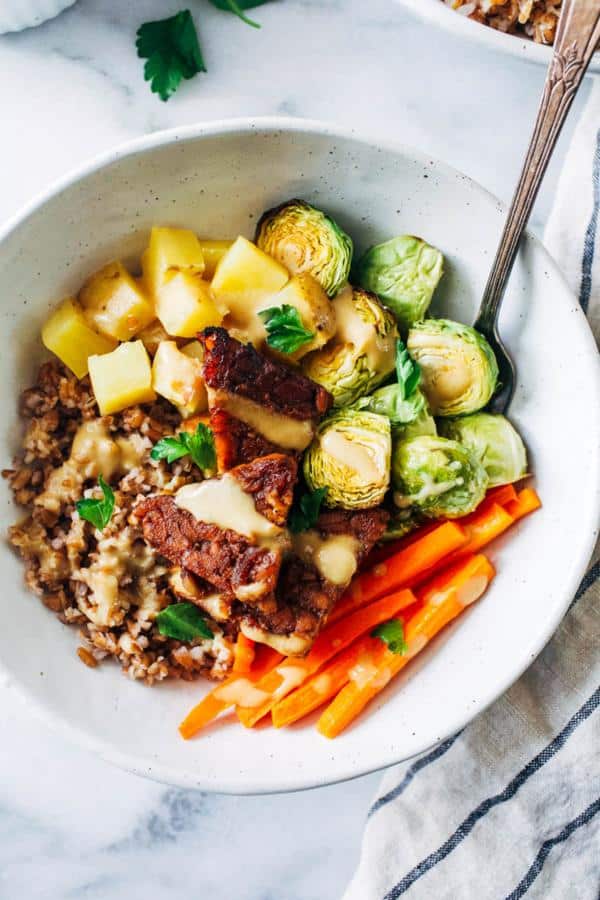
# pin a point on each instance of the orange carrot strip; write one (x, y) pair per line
(463, 586)
(502, 495)
(402, 569)
(212, 704)
(527, 501)
(291, 673)
(243, 654)
(482, 527)
(366, 652)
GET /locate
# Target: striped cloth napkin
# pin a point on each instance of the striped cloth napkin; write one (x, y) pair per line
(510, 806)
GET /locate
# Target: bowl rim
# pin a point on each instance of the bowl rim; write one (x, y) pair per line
(437, 12)
(168, 774)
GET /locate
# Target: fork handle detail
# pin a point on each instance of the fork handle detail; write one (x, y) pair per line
(577, 37)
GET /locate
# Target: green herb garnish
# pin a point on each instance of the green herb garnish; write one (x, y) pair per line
(306, 509)
(237, 7)
(285, 331)
(172, 52)
(408, 372)
(392, 634)
(183, 621)
(98, 512)
(200, 445)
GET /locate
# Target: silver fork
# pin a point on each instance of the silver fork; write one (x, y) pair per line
(577, 36)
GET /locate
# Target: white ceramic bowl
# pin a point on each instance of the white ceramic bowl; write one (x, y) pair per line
(217, 179)
(18, 14)
(440, 14)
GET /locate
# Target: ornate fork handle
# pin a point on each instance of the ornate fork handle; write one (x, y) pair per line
(577, 37)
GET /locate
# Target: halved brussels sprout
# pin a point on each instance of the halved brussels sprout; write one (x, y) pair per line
(459, 371)
(495, 443)
(437, 476)
(350, 456)
(361, 354)
(404, 272)
(304, 239)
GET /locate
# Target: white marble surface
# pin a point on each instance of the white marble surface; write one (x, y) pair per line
(71, 826)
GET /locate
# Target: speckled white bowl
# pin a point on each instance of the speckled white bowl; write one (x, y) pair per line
(218, 178)
(18, 14)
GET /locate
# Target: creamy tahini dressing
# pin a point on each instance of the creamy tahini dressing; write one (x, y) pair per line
(429, 490)
(335, 556)
(353, 454)
(291, 434)
(353, 329)
(223, 502)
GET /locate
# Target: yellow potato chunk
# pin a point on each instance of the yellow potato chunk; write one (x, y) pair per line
(69, 336)
(152, 335)
(213, 252)
(122, 378)
(171, 250)
(194, 349)
(177, 376)
(186, 305)
(115, 304)
(316, 311)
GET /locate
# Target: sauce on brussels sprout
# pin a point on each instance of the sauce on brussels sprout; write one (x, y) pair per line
(353, 329)
(352, 454)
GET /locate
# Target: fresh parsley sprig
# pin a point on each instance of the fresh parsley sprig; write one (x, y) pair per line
(183, 622)
(306, 509)
(98, 512)
(408, 372)
(172, 52)
(237, 7)
(392, 634)
(285, 331)
(200, 445)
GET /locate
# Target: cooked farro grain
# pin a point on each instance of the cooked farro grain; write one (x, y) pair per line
(109, 583)
(534, 18)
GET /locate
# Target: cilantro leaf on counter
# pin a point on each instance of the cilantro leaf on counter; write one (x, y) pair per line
(408, 371)
(98, 512)
(183, 622)
(285, 331)
(306, 509)
(237, 7)
(392, 634)
(172, 52)
(200, 445)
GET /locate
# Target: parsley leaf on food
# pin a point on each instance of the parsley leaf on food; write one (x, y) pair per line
(98, 512)
(392, 634)
(285, 331)
(237, 7)
(183, 621)
(200, 445)
(172, 52)
(306, 509)
(408, 371)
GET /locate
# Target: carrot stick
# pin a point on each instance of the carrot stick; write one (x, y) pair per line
(213, 704)
(527, 501)
(502, 494)
(366, 652)
(442, 602)
(243, 654)
(482, 527)
(402, 569)
(291, 673)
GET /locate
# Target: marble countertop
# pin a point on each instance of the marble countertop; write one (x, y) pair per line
(70, 825)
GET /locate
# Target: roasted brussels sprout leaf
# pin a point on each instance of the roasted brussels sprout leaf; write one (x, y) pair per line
(392, 634)
(495, 443)
(362, 353)
(306, 509)
(459, 371)
(98, 512)
(285, 331)
(304, 239)
(183, 622)
(402, 522)
(200, 445)
(437, 476)
(389, 401)
(350, 456)
(237, 7)
(404, 272)
(172, 52)
(408, 372)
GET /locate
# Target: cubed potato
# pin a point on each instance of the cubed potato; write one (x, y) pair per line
(314, 307)
(171, 250)
(193, 349)
(213, 252)
(152, 335)
(115, 303)
(122, 378)
(177, 376)
(186, 305)
(68, 335)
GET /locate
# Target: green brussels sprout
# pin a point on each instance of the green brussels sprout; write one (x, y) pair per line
(437, 476)
(401, 523)
(495, 443)
(361, 354)
(304, 239)
(404, 272)
(350, 456)
(459, 371)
